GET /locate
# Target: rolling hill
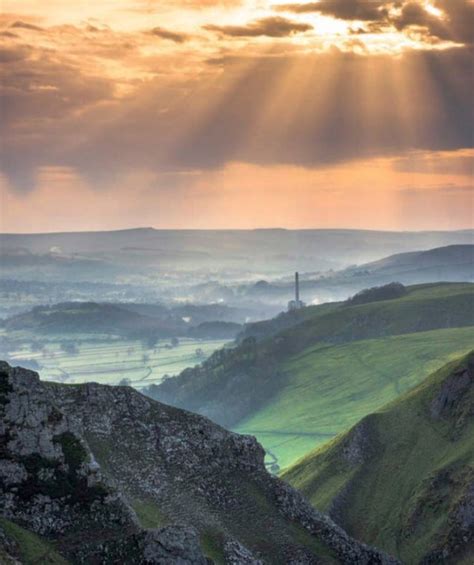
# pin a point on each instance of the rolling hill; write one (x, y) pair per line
(107, 255)
(403, 476)
(129, 320)
(95, 318)
(450, 263)
(304, 385)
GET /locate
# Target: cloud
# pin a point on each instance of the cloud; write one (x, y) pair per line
(415, 14)
(272, 26)
(342, 9)
(459, 162)
(322, 116)
(13, 53)
(170, 35)
(110, 102)
(455, 24)
(8, 34)
(19, 24)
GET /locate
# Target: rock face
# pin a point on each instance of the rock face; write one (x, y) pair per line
(110, 476)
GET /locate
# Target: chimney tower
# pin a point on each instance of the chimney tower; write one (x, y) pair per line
(296, 304)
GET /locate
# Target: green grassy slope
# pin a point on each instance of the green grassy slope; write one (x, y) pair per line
(402, 478)
(31, 548)
(329, 389)
(302, 386)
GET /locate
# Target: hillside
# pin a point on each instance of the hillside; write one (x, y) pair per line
(95, 475)
(273, 246)
(450, 263)
(309, 382)
(403, 476)
(441, 260)
(91, 317)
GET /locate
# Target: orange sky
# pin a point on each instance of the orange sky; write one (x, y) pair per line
(236, 113)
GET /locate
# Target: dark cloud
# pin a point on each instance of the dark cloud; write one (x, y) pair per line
(19, 24)
(456, 25)
(344, 107)
(414, 14)
(270, 27)
(14, 53)
(170, 35)
(39, 94)
(8, 34)
(342, 9)
(460, 15)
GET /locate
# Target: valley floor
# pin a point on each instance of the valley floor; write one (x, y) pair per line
(108, 361)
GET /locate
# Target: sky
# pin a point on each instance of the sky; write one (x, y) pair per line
(236, 114)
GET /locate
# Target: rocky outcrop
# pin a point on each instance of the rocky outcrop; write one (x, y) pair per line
(450, 393)
(51, 484)
(89, 466)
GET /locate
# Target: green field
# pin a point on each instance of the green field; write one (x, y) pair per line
(108, 361)
(330, 388)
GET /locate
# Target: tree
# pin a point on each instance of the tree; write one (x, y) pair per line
(174, 341)
(69, 347)
(125, 382)
(151, 341)
(199, 353)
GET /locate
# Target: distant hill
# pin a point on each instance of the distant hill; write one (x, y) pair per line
(215, 330)
(453, 262)
(92, 474)
(402, 478)
(133, 320)
(308, 382)
(90, 317)
(266, 249)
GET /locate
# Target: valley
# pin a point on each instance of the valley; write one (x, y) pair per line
(296, 394)
(237, 282)
(297, 388)
(330, 388)
(110, 361)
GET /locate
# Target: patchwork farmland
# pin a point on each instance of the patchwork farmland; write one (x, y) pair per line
(110, 361)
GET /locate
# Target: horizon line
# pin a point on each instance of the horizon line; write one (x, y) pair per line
(231, 229)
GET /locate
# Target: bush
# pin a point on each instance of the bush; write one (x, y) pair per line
(387, 292)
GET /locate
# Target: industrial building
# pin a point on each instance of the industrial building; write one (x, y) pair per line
(296, 304)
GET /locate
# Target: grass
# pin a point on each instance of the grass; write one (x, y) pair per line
(109, 361)
(328, 389)
(212, 546)
(33, 550)
(148, 513)
(401, 498)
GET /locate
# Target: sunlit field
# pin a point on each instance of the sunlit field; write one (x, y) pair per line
(110, 361)
(331, 388)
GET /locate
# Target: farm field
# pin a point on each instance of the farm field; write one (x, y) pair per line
(109, 361)
(329, 389)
